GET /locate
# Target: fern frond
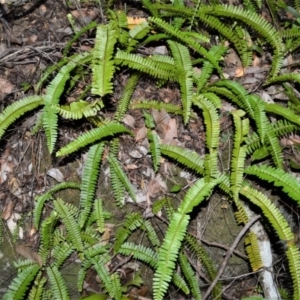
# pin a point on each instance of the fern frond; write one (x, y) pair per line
(50, 125)
(40, 200)
(61, 252)
(89, 181)
(183, 65)
(102, 63)
(137, 33)
(151, 234)
(168, 253)
(116, 168)
(211, 120)
(256, 22)
(196, 194)
(117, 188)
(140, 252)
(252, 249)
(14, 111)
(179, 281)
(145, 65)
(79, 109)
(211, 164)
(99, 214)
(289, 184)
(91, 136)
(293, 255)
(57, 283)
(270, 211)
(67, 213)
(116, 286)
(190, 42)
(184, 156)
(190, 276)
(126, 97)
(37, 290)
(20, 284)
(154, 148)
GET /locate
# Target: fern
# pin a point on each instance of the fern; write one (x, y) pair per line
(61, 252)
(102, 63)
(99, 214)
(154, 104)
(184, 70)
(67, 213)
(14, 111)
(116, 168)
(293, 255)
(58, 286)
(38, 288)
(91, 136)
(154, 148)
(290, 185)
(20, 284)
(253, 251)
(89, 181)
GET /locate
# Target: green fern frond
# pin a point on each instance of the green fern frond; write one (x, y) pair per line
(14, 111)
(289, 184)
(116, 286)
(151, 233)
(126, 97)
(50, 125)
(211, 164)
(140, 252)
(99, 215)
(37, 290)
(253, 251)
(256, 22)
(186, 157)
(117, 188)
(102, 63)
(89, 181)
(168, 253)
(154, 148)
(196, 194)
(183, 65)
(61, 252)
(79, 109)
(20, 284)
(179, 281)
(238, 152)
(211, 120)
(270, 211)
(91, 136)
(293, 255)
(190, 276)
(149, 104)
(145, 65)
(133, 221)
(67, 213)
(40, 200)
(116, 168)
(137, 33)
(58, 286)
(190, 42)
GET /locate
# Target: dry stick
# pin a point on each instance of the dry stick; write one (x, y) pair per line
(228, 254)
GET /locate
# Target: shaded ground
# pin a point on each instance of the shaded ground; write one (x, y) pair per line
(32, 38)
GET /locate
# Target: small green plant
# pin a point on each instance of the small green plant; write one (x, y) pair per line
(71, 230)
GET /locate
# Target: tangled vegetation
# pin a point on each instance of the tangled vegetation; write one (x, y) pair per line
(257, 129)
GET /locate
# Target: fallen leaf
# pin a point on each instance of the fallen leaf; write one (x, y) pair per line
(8, 209)
(27, 253)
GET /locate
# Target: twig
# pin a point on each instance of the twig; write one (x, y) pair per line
(228, 254)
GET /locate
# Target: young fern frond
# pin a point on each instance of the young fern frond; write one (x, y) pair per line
(190, 42)
(184, 68)
(14, 111)
(91, 136)
(154, 148)
(289, 184)
(20, 284)
(102, 63)
(58, 286)
(187, 158)
(67, 212)
(145, 65)
(79, 109)
(89, 181)
(190, 276)
(116, 168)
(126, 97)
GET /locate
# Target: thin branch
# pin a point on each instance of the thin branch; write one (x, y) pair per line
(228, 254)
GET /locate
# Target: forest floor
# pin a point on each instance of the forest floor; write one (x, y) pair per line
(32, 37)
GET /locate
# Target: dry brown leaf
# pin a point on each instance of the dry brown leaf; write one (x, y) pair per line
(171, 133)
(27, 253)
(239, 72)
(8, 209)
(140, 134)
(6, 87)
